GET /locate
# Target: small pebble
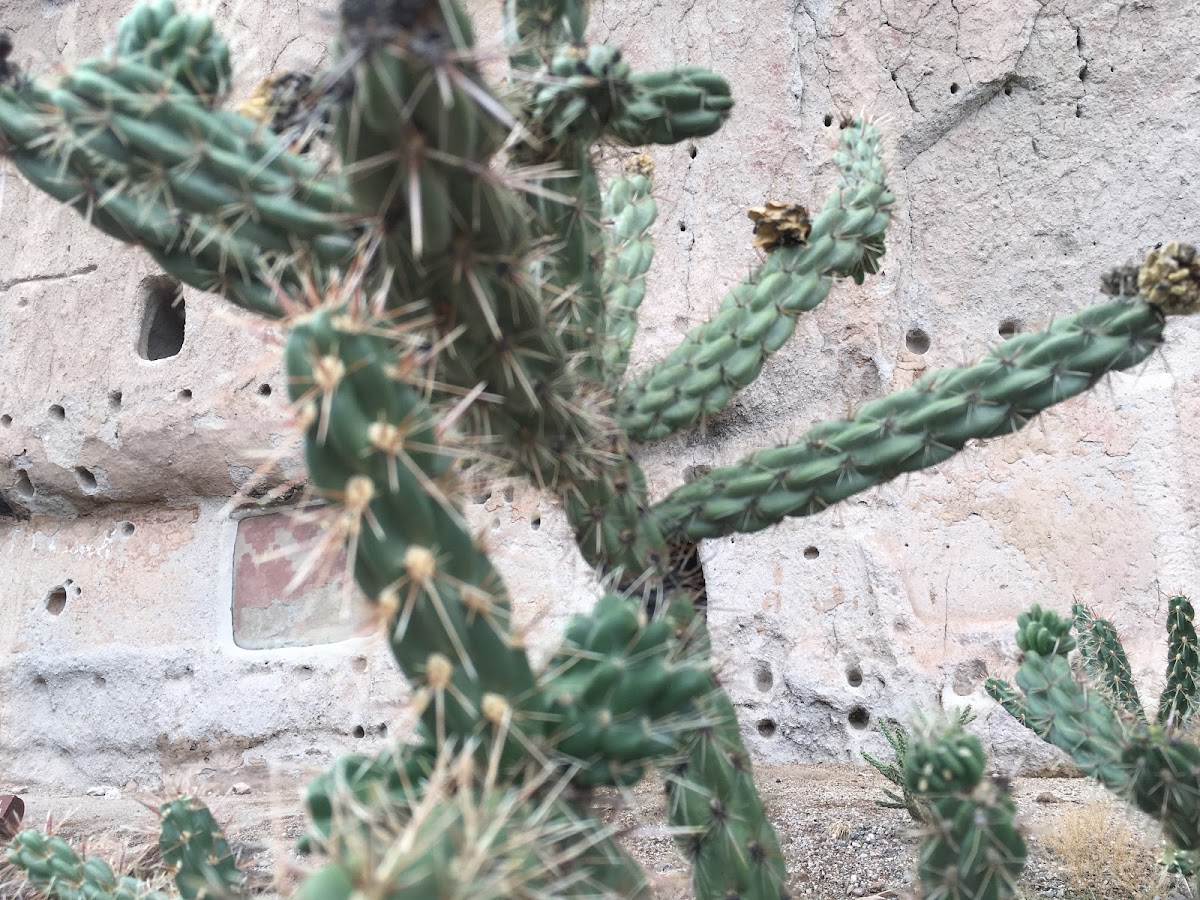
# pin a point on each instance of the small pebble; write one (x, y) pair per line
(240, 788)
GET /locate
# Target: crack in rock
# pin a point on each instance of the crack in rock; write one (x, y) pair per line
(57, 276)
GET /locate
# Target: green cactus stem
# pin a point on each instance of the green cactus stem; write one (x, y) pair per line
(459, 833)
(918, 427)
(972, 849)
(1179, 697)
(219, 203)
(536, 28)
(343, 800)
(1062, 711)
(1166, 783)
(897, 737)
(623, 692)
(195, 850)
(181, 46)
(630, 206)
(722, 356)
(573, 101)
(1149, 764)
(1010, 700)
(1105, 660)
(457, 239)
(672, 106)
(371, 444)
(711, 798)
(53, 868)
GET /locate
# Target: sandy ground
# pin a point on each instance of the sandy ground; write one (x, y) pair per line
(838, 843)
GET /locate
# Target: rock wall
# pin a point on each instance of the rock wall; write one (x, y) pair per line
(144, 632)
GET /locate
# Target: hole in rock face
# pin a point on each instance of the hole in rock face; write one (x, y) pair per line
(359, 664)
(264, 390)
(24, 486)
(854, 676)
(954, 87)
(859, 718)
(57, 412)
(163, 318)
(56, 600)
(359, 731)
(1008, 90)
(682, 226)
(5, 420)
(85, 479)
(692, 151)
(114, 400)
(535, 524)
(766, 728)
(828, 120)
(1008, 328)
(763, 679)
(968, 676)
(811, 552)
(185, 395)
(126, 528)
(917, 341)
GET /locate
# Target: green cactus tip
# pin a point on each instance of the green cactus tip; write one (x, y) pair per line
(1044, 632)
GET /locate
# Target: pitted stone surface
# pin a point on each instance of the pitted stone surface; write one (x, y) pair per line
(1031, 146)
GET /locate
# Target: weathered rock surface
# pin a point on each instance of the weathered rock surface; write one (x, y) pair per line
(1032, 145)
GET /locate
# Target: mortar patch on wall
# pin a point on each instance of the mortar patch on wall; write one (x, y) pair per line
(275, 551)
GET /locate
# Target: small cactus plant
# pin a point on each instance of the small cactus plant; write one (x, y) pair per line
(193, 849)
(973, 849)
(439, 304)
(897, 736)
(1101, 723)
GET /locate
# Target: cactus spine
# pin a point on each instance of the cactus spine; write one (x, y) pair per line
(440, 304)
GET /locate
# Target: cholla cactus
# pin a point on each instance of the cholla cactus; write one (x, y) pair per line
(972, 848)
(1103, 726)
(897, 736)
(439, 304)
(58, 872)
(194, 853)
